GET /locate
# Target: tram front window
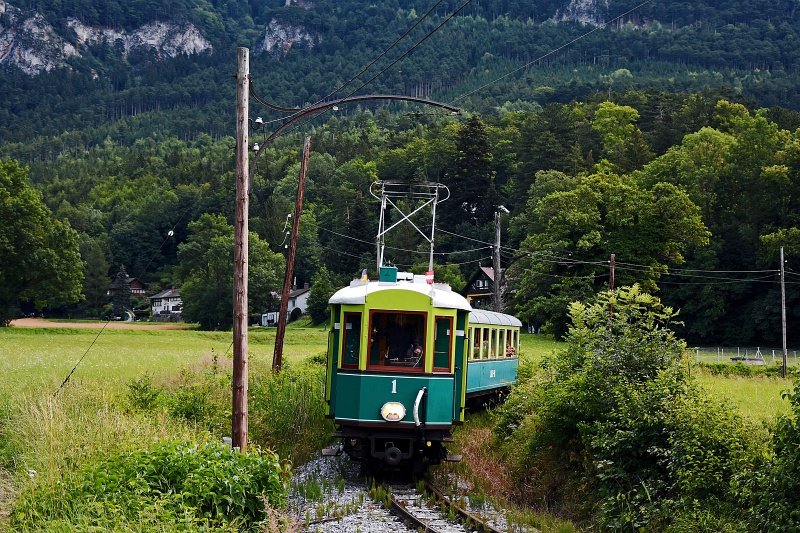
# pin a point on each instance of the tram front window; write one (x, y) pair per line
(397, 340)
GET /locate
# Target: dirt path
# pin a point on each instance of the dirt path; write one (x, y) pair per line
(44, 323)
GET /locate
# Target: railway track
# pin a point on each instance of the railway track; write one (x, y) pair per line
(443, 515)
(331, 499)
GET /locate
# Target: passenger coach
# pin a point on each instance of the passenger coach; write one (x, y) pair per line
(398, 355)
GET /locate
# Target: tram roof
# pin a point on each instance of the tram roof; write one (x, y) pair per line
(482, 316)
(441, 294)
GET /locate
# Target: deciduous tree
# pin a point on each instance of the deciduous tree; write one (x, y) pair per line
(39, 259)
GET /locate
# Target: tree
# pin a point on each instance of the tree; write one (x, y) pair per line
(39, 258)
(573, 227)
(121, 300)
(471, 180)
(619, 423)
(321, 291)
(95, 281)
(623, 143)
(206, 268)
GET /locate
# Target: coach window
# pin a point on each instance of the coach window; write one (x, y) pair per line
(441, 343)
(397, 340)
(352, 340)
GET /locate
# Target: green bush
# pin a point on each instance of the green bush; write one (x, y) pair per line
(203, 397)
(775, 492)
(614, 426)
(742, 370)
(142, 394)
(206, 486)
(287, 411)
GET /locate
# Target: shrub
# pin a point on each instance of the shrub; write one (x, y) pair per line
(614, 425)
(205, 486)
(142, 394)
(203, 397)
(775, 493)
(287, 411)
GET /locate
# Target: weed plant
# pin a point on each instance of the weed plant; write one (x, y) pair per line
(195, 486)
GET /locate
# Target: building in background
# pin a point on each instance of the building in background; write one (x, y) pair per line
(166, 306)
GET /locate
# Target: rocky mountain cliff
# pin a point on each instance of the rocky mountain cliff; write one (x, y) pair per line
(30, 43)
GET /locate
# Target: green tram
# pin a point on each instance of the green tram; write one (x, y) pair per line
(404, 355)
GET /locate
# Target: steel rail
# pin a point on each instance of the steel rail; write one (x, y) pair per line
(408, 517)
(475, 522)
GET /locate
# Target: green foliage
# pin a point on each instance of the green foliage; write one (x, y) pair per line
(574, 225)
(206, 264)
(287, 411)
(775, 492)
(615, 413)
(39, 259)
(321, 291)
(202, 397)
(142, 394)
(195, 487)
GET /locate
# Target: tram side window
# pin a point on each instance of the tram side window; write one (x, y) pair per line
(397, 339)
(441, 354)
(352, 338)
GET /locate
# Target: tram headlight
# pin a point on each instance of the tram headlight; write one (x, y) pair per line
(393, 411)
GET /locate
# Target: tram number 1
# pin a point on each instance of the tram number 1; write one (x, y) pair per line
(492, 373)
(394, 386)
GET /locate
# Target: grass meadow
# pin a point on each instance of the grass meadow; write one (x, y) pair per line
(40, 358)
(182, 394)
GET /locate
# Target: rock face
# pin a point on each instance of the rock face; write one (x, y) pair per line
(305, 4)
(280, 37)
(166, 39)
(29, 42)
(585, 11)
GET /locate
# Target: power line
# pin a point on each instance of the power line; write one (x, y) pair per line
(366, 67)
(428, 35)
(390, 65)
(394, 247)
(568, 261)
(551, 52)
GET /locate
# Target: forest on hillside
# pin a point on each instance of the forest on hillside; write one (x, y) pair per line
(745, 48)
(694, 195)
(667, 138)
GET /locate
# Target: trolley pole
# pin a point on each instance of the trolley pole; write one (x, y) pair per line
(277, 358)
(240, 251)
(783, 317)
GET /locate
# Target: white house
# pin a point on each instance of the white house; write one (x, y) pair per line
(298, 299)
(166, 305)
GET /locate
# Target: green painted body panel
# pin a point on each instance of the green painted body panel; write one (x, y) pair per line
(359, 397)
(491, 373)
(460, 365)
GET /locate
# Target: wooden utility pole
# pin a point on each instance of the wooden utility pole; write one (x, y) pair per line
(287, 278)
(498, 302)
(783, 317)
(612, 264)
(611, 272)
(240, 251)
